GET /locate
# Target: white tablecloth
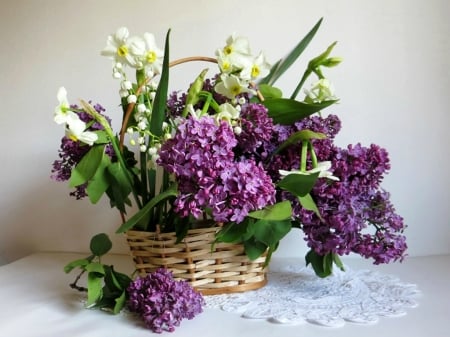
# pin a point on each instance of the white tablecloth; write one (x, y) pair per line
(37, 301)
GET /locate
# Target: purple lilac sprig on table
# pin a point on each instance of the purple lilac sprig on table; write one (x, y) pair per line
(71, 151)
(163, 302)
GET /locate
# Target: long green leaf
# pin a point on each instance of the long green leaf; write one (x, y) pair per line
(159, 105)
(288, 111)
(284, 65)
(138, 216)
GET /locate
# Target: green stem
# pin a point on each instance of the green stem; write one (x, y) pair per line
(300, 85)
(313, 155)
(303, 155)
(143, 163)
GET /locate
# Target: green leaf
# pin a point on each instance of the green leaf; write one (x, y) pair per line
(279, 211)
(300, 136)
(94, 285)
(102, 137)
(87, 166)
(120, 302)
(337, 261)
(298, 184)
(100, 244)
(308, 203)
(232, 233)
(119, 185)
(271, 232)
(78, 263)
(322, 265)
(100, 182)
(283, 65)
(254, 249)
(138, 216)
(159, 105)
(267, 91)
(96, 267)
(114, 280)
(288, 111)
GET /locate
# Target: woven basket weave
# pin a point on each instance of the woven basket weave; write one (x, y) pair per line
(221, 268)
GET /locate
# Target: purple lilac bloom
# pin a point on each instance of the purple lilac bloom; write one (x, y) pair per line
(357, 215)
(71, 152)
(162, 301)
(201, 157)
(355, 205)
(256, 127)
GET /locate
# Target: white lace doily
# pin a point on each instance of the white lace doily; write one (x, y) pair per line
(294, 295)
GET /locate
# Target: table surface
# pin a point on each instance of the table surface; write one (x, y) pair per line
(37, 301)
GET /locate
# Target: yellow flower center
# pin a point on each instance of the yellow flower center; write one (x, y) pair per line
(235, 90)
(151, 57)
(255, 71)
(228, 50)
(73, 137)
(122, 50)
(226, 66)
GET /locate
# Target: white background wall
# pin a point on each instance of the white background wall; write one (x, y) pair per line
(394, 90)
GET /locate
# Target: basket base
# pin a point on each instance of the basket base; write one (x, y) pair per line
(210, 269)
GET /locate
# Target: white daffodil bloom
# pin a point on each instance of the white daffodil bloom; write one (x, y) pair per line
(122, 49)
(237, 45)
(322, 167)
(76, 130)
(257, 68)
(63, 114)
(230, 86)
(153, 56)
(235, 55)
(320, 91)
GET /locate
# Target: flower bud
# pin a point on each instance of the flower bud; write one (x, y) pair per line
(132, 99)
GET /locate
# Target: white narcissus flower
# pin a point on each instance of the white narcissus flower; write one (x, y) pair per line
(230, 86)
(257, 68)
(235, 55)
(76, 130)
(62, 112)
(124, 50)
(322, 167)
(153, 56)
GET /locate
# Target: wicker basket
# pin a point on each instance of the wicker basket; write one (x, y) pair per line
(221, 268)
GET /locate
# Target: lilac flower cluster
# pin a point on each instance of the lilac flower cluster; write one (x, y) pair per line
(209, 175)
(357, 215)
(71, 152)
(256, 128)
(163, 302)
